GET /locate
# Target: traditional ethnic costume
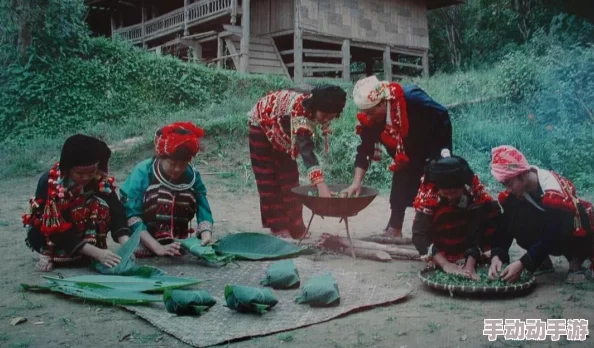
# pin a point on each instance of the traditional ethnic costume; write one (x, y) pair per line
(551, 221)
(416, 128)
(281, 128)
(164, 207)
(63, 216)
(455, 230)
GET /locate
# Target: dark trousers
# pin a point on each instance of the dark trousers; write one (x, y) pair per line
(405, 185)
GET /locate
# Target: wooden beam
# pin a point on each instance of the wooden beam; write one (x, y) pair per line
(220, 52)
(186, 17)
(337, 67)
(387, 64)
(426, 64)
(244, 65)
(408, 65)
(297, 44)
(280, 58)
(233, 51)
(235, 29)
(346, 60)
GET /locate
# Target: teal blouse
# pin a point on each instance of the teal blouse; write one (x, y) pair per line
(133, 190)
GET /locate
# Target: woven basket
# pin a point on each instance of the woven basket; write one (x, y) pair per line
(426, 274)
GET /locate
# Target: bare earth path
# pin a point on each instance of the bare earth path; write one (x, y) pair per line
(426, 319)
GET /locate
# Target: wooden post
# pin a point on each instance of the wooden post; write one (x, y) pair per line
(197, 52)
(113, 24)
(387, 64)
(233, 12)
(143, 27)
(158, 50)
(298, 46)
(426, 64)
(220, 52)
(244, 62)
(346, 60)
(186, 17)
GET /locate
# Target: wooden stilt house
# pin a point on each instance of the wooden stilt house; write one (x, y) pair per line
(295, 38)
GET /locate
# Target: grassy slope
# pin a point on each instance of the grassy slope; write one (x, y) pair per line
(226, 97)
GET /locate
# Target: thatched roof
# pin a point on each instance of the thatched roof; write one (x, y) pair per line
(433, 4)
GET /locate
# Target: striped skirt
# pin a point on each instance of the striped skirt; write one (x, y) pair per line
(276, 174)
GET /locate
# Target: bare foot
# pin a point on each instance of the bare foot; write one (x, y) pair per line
(393, 232)
(45, 264)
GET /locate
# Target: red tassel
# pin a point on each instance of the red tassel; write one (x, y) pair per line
(579, 232)
(388, 140)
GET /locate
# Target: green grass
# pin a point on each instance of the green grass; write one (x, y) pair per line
(552, 142)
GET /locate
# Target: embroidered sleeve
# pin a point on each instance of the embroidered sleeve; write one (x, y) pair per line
(427, 198)
(132, 195)
(316, 175)
(203, 211)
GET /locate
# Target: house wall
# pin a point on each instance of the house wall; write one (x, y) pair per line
(395, 22)
(270, 16)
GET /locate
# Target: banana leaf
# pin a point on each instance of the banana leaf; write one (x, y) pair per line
(257, 246)
(281, 275)
(320, 291)
(127, 266)
(205, 253)
(248, 299)
(188, 302)
(107, 295)
(96, 294)
(126, 283)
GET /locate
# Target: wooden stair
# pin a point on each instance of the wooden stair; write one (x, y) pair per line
(264, 56)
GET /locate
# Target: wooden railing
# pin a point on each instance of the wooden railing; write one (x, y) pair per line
(175, 20)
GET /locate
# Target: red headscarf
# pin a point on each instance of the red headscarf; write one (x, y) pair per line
(507, 162)
(179, 134)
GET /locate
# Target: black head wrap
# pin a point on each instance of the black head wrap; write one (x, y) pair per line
(326, 98)
(449, 172)
(82, 150)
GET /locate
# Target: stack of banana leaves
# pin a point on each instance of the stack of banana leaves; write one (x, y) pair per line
(125, 284)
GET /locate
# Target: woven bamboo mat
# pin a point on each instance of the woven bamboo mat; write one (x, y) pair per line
(221, 325)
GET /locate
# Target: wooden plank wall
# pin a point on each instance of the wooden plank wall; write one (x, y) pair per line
(270, 16)
(394, 22)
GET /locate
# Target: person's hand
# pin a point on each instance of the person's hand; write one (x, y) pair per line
(471, 269)
(352, 191)
(324, 191)
(169, 249)
(512, 272)
(206, 238)
(452, 268)
(108, 258)
(495, 268)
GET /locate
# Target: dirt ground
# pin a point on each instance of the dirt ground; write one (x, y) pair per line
(425, 319)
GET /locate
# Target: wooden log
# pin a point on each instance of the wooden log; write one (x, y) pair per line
(387, 240)
(233, 51)
(338, 244)
(395, 252)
